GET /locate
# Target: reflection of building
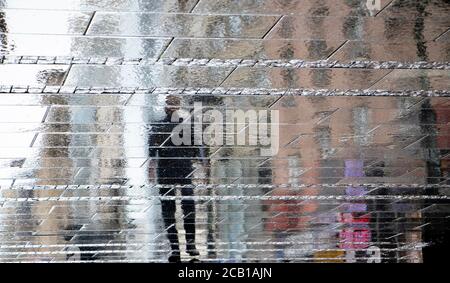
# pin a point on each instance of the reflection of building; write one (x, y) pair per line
(55, 169)
(343, 144)
(443, 142)
(237, 222)
(435, 121)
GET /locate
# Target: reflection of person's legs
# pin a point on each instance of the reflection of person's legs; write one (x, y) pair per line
(188, 207)
(168, 212)
(280, 236)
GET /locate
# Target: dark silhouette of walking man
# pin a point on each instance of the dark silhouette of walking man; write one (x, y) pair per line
(173, 165)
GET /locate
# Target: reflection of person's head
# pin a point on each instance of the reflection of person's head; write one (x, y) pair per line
(172, 104)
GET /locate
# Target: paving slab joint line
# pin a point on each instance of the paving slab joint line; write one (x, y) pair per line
(216, 62)
(234, 91)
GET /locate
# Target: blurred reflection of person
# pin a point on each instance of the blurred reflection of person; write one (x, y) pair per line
(173, 164)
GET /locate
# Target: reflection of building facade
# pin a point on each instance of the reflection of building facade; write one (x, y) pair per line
(237, 222)
(55, 169)
(346, 150)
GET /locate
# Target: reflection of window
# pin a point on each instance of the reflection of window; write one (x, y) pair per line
(293, 170)
(323, 138)
(361, 125)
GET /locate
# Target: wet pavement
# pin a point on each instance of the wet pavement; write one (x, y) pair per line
(352, 97)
